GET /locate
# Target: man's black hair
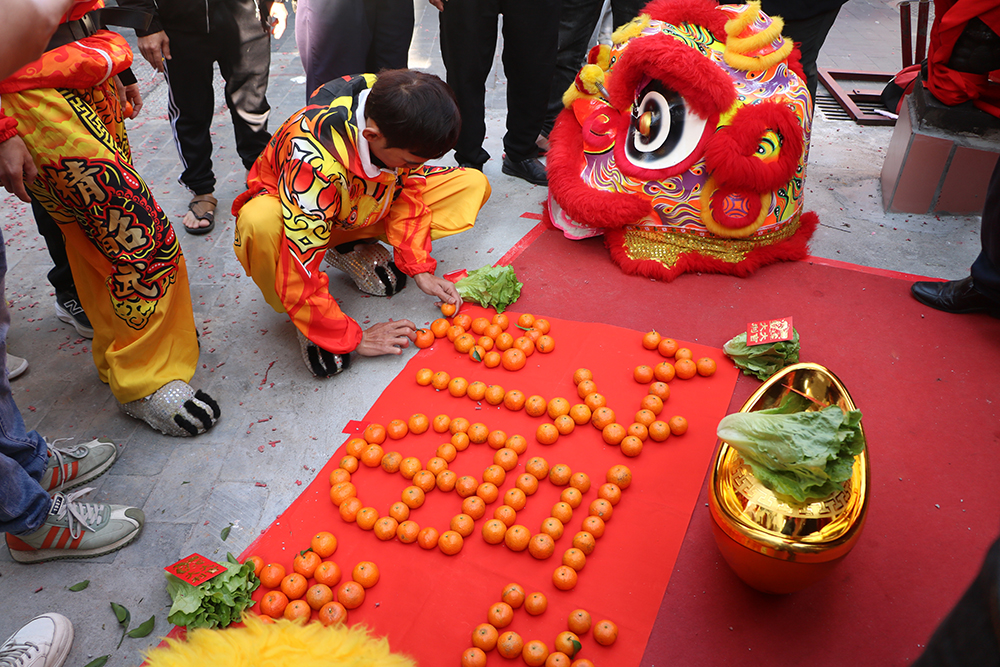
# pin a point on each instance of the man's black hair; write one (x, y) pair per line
(414, 111)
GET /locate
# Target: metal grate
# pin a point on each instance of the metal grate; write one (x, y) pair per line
(832, 110)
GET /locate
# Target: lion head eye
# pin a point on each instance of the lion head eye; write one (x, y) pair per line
(663, 132)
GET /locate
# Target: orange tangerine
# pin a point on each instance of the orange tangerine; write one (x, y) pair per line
(686, 369)
(593, 525)
(664, 371)
(458, 387)
(492, 359)
(496, 439)
(474, 507)
(546, 434)
(440, 380)
(448, 309)
(564, 424)
(581, 374)
(514, 358)
(642, 374)
(424, 376)
(439, 327)
(631, 446)
(506, 514)
(441, 423)
(610, 492)
(505, 341)
(541, 546)
(660, 389)
(580, 414)
(536, 406)
(602, 509)
(513, 400)
(558, 406)
(494, 396)
(459, 425)
(513, 594)
(706, 366)
(684, 353)
(446, 480)
(515, 498)
(620, 475)
(638, 430)
(652, 403)
(552, 527)
(494, 531)
(517, 443)
(501, 321)
(562, 511)
(476, 390)
(564, 578)
(527, 483)
(560, 474)
(595, 401)
(450, 542)
(488, 492)
(586, 388)
(409, 467)
(659, 431)
(613, 433)
(581, 481)
(537, 467)
(571, 497)
(526, 320)
(678, 425)
(651, 340)
(466, 486)
(667, 347)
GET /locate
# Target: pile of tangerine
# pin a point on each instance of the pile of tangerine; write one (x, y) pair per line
(535, 653)
(487, 341)
(315, 584)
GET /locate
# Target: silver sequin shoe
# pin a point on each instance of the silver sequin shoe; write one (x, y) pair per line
(370, 265)
(321, 363)
(175, 409)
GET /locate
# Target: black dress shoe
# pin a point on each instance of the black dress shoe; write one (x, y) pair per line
(531, 170)
(955, 296)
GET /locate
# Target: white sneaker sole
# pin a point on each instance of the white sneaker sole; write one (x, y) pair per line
(65, 316)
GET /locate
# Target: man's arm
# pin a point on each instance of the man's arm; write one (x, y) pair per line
(154, 45)
(17, 169)
(26, 29)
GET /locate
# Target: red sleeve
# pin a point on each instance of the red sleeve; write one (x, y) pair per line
(8, 127)
(408, 228)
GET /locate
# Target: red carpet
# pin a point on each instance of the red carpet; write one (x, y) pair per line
(926, 383)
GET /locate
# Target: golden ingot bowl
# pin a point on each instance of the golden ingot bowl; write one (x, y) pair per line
(774, 543)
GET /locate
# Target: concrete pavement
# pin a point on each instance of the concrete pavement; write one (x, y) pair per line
(190, 489)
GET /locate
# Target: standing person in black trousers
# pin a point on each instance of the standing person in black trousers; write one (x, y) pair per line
(980, 291)
(183, 41)
(468, 44)
(577, 21)
(807, 24)
(345, 37)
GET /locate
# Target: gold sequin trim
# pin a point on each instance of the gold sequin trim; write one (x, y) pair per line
(667, 247)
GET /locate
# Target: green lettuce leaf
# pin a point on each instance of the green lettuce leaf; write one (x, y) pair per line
(215, 603)
(798, 454)
(762, 361)
(491, 287)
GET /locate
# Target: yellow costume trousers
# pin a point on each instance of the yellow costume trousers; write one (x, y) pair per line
(453, 197)
(126, 261)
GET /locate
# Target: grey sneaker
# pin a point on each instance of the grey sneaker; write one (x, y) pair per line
(370, 266)
(15, 366)
(70, 467)
(77, 530)
(44, 642)
(175, 409)
(69, 310)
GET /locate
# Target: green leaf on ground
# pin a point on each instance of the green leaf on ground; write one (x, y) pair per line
(225, 532)
(121, 613)
(80, 586)
(98, 662)
(144, 629)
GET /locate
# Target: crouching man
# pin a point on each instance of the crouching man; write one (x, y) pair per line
(340, 175)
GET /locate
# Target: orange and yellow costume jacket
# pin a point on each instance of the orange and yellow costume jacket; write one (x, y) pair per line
(319, 166)
(81, 64)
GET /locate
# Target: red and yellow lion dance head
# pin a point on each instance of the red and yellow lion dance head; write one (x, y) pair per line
(685, 143)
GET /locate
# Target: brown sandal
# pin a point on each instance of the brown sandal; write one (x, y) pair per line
(203, 208)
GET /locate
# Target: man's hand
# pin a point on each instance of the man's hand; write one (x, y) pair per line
(17, 169)
(438, 4)
(133, 97)
(439, 287)
(155, 49)
(386, 338)
(278, 20)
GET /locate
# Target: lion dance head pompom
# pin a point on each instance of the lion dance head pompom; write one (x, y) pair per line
(685, 143)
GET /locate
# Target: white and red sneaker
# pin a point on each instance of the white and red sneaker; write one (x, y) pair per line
(70, 467)
(77, 530)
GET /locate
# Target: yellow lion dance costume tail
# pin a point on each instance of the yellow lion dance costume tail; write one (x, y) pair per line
(280, 644)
